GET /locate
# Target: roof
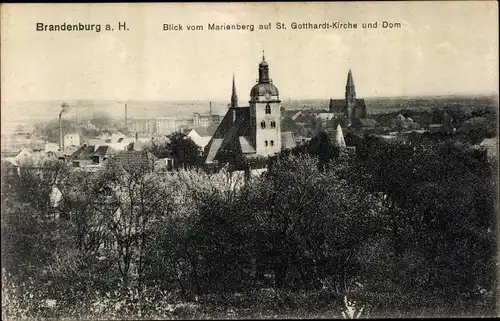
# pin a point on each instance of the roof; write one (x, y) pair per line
(297, 114)
(337, 105)
(201, 141)
(82, 153)
(235, 123)
(246, 147)
(96, 141)
(214, 146)
(103, 151)
(262, 88)
(490, 141)
(205, 131)
(340, 105)
(135, 158)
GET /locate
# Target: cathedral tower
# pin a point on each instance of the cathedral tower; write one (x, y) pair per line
(265, 114)
(350, 96)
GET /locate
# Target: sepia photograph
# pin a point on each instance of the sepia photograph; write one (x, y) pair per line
(251, 160)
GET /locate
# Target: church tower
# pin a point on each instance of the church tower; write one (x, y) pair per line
(234, 97)
(265, 114)
(350, 96)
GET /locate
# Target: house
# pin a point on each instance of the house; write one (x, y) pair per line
(201, 135)
(165, 163)
(71, 140)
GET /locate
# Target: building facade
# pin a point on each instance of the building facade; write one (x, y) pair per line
(265, 114)
(71, 140)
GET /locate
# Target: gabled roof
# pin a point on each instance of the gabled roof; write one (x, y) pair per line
(214, 146)
(83, 152)
(234, 125)
(103, 151)
(205, 131)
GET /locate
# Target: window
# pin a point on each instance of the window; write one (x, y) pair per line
(263, 124)
(265, 143)
(272, 143)
(268, 109)
(273, 124)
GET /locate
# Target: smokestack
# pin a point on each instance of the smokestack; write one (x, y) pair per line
(210, 110)
(136, 137)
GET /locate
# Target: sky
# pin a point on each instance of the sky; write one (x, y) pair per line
(441, 48)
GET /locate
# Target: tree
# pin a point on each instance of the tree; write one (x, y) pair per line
(180, 148)
(132, 203)
(183, 150)
(429, 192)
(310, 223)
(323, 147)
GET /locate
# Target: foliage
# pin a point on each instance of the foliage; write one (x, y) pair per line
(403, 229)
(178, 146)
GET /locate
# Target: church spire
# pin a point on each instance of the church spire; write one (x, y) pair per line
(350, 91)
(234, 97)
(350, 81)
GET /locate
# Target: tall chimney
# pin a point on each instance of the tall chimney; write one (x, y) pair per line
(210, 110)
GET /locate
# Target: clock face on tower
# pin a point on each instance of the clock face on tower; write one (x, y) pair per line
(268, 95)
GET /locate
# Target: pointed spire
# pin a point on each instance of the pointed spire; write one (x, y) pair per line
(263, 56)
(234, 97)
(350, 81)
(339, 137)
